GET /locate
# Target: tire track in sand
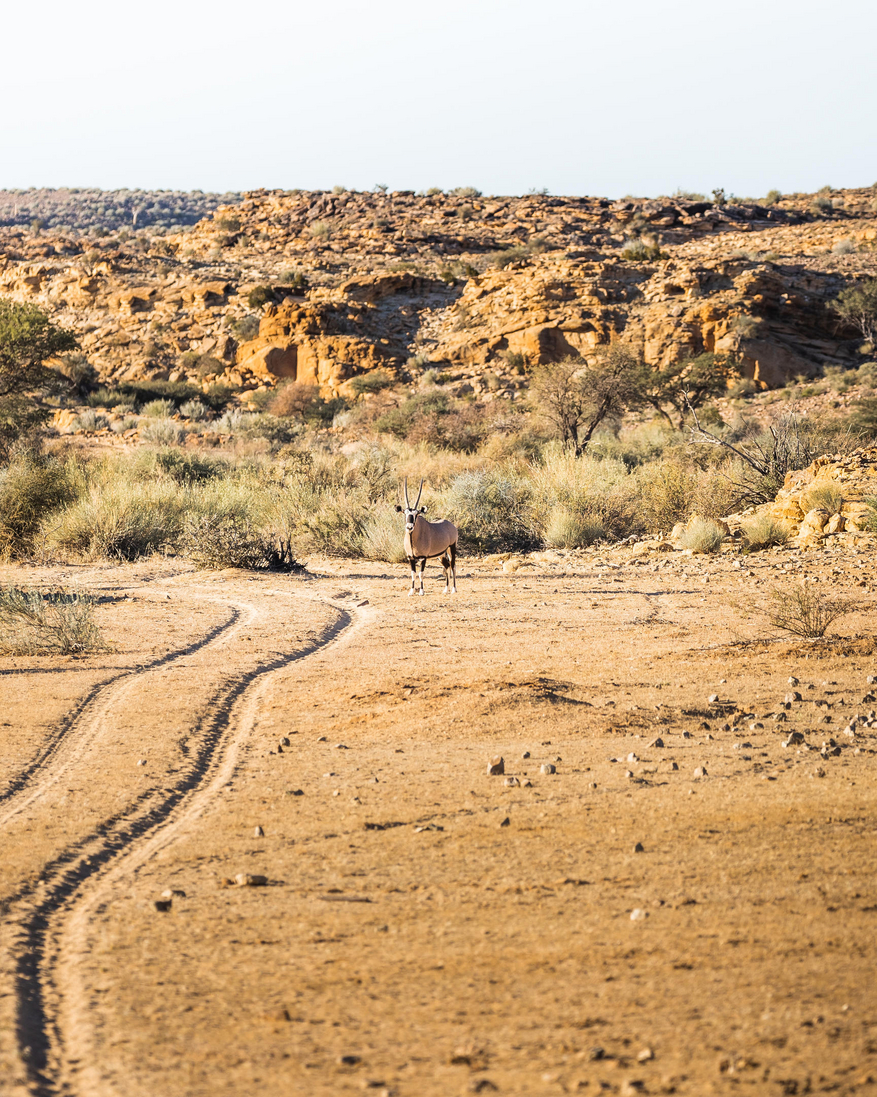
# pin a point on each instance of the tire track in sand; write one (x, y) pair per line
(53, 1034)
(72, 735)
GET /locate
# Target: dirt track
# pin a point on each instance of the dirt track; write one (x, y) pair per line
(427, 929)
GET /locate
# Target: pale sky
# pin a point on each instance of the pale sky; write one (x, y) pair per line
(612, 98)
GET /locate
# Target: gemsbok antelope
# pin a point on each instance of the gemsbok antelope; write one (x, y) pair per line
(425, 540)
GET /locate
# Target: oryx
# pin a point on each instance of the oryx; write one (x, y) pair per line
(424, 540)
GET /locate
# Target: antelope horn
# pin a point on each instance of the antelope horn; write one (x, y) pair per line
(419, 493)
(407, 504)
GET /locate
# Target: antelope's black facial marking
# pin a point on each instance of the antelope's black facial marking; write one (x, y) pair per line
(410, 517)
(398, 508)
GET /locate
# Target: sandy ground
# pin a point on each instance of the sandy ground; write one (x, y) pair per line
(687, 905)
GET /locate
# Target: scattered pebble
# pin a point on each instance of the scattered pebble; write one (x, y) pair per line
(141, 761)
(322, 739)
(506, 822)
(793, 681)
(163, 905)
(245, 880)
(790, 697)
(632, 757)
(526, 754)
(638, 915)
(341, 746)
(645, 1055)
(674, 765)
(712, 699)
(511, 782)
(258, 832)
(284, 742)
(593, 784)
(639, 848)
(496, 766)
(349, 1060)
(547, 768)
(659, 742)
(173, 893)
(700, 771)
(686, 734)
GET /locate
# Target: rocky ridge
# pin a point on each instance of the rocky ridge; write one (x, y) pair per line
(478, 288)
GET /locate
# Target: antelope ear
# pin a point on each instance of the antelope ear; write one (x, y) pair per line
(423, 510)
(398, 508)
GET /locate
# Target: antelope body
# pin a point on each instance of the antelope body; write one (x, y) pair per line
(425, 540)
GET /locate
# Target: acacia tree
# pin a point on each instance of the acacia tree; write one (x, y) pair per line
(28, 338)
(858, 306)
(576, 397)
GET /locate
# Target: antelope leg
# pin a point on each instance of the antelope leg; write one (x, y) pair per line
(452, 549)
(422, 566)
(412, 563)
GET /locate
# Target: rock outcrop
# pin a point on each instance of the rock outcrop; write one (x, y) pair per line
(478, 288)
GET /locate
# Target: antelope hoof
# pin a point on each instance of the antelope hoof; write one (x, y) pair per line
(420, 592)
(410, 592)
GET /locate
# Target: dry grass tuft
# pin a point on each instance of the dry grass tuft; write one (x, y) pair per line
(702, 535)
(51, 623)
(764, 531)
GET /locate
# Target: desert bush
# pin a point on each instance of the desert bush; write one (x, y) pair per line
(702, 535)
(295, 279)
(163, 432)
(825, 495)
(667, 494)
(28, 338)
(643, 249)
(158, 409)
(321, 230)
(373, 381)
(195, 410)
(804, 611)
(568, 530)
(179, 466)
(772, 197)
(383, 535)
(491, 509)
(31, 487)
(246, 328)
(120, 520)
(90, 421)
(857, 306)
(465, 192)
(33, 622)
(106, 398)
(128, 422)
(298, 400)
(764, 531)
(259, 296)
(863, 417)
(230, 541)
(844, 246)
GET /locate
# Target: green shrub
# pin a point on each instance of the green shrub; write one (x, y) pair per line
(702, 535)
(159, 409)
(246, 328)
(163, 432)
(33, 622)
(259, 296)
(763, 532)
(667, 494)
(120, 426)
(106, 398)
(295, 279)
(31, 488)
(642, 250)
(373, 381)
(772, 197)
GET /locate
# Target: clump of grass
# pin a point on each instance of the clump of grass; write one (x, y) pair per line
(805, 611)
(568, 530)
(163, 432)
(383, 536)
(373, 381)
(702, 535)
(31, 487)
(825, 496)
(128, 422)
(90, 421)
(642, 250)
(159, 409)
(490, 508)
(195, 410)
(52, 623)
(763, 532)
(118, 521)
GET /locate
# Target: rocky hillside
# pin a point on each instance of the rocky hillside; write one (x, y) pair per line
(324, 286)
